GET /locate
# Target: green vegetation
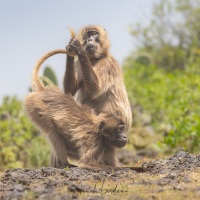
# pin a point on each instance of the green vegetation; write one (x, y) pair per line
(163, 75)
(171, 38)
(49, 76)
(21, 145)
(172, 99)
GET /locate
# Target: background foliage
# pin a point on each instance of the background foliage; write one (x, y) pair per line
(172, 36)
(172, 99)
(162, 76)
(20, 144)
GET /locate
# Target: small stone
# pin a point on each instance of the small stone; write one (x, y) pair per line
(19, 187)
(103, 173)
(163, 181)
(173, 175)
(187, 179)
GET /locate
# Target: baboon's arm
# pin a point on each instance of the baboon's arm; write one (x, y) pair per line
(89, 76)
(70, 82)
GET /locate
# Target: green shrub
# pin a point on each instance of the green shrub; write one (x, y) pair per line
(172, 99)
(20, 144)
(171, 34)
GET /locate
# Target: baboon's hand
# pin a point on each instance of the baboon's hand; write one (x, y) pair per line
(76, 46)
(70, 51)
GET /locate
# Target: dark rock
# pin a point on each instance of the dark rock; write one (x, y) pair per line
(180, 161)
(51, 183)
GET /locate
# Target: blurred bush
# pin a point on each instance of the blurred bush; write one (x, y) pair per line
(162, 75)
(49, 76)
(20, 143)
(172, 35)
(172, 99)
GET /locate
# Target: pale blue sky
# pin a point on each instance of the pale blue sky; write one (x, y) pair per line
(28, 29)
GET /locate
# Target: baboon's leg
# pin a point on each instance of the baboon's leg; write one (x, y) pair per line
(39, 115)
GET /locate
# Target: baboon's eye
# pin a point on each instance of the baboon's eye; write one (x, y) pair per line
(91, 33)
(85, 36)
(120, 128)
(102, 125)
(94, 32)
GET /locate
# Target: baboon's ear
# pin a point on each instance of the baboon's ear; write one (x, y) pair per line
(101, 125)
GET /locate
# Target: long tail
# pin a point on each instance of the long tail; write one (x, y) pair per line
(37, 84)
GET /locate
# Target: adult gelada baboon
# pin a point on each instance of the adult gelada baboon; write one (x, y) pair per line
(94, 78)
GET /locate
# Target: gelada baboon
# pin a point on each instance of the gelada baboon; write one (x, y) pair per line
(94, 78)
(74, 130)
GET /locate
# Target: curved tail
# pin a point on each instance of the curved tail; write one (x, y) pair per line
(37, 84)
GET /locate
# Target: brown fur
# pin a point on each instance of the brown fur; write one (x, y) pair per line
(73, 126)
(96, 80)
(72, 130)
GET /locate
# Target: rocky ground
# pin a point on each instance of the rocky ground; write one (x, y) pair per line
(177, 177)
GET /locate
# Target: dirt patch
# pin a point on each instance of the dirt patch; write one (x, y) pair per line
(177, 177)
(181, 161)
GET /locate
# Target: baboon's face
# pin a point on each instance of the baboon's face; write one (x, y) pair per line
(91, 42)
(94, 41)
(113, 133)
